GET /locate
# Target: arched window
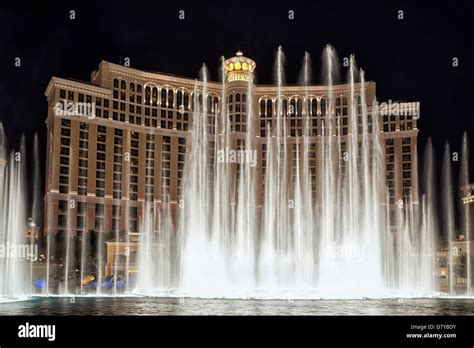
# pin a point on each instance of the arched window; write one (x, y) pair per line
(299, 107)
(163, 97)
(284, 104)
(139, 88)
(314, 106)
(230, 98)
(186, 100)
(209, 104)
(323, 107)
(237, 97)
(338, 101)
(132, 87)
(170, 98)
(307, 106)
(155, 96)
(244, 97)
(200, 105)
(262, 107)
(269, 108)
(116, 83)
(292, 110)
(147, 95)
(179, 98)
(215, 102)
(344, 101)
(123, 84)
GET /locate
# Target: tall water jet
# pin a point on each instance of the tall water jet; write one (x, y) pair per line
(328, 233)
(303, 216)
(68, 235)
(35, 216)
(330, 72)
(429, 223)
(448, 211)
(281, 203)
(200, 261)
(466, 222)
(246, 234)
(221, 201)
(12, 220)
(306, 72)
(49, 238)
(147, 251)
(157, 245)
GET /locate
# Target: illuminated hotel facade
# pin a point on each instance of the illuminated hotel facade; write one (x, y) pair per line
(104, 163)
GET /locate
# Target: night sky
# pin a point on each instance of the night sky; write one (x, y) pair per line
(410, 59)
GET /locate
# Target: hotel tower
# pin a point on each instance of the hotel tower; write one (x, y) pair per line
(122, 139)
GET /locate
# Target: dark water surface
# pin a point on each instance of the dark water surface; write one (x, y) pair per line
(193, 306)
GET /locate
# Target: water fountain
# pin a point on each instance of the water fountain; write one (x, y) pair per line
(13, 276)
(465, 218)
(448, 209)
(230, 247)
(337, 243)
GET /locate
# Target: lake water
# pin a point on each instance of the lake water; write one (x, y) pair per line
(193, 306)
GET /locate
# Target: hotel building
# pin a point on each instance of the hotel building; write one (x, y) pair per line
(121, 140)
(462, 249)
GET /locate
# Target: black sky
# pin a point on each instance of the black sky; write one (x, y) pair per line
(410, 59)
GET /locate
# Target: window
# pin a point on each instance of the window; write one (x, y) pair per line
(314, 107)
(323, 107)
(81, 207)
(170, 98)
(163, 97)
(99, 223)
(62, 206)
(99, 209)
(62, 220)
(65, 132)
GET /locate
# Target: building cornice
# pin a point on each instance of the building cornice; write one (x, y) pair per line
(314, 89)
(76, 85)
(159, 78)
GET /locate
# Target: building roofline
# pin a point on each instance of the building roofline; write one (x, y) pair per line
(311, 88)
(154, 74)
(188, 80)
(80, 85)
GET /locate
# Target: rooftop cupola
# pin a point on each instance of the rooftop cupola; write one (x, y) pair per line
(239, 67)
